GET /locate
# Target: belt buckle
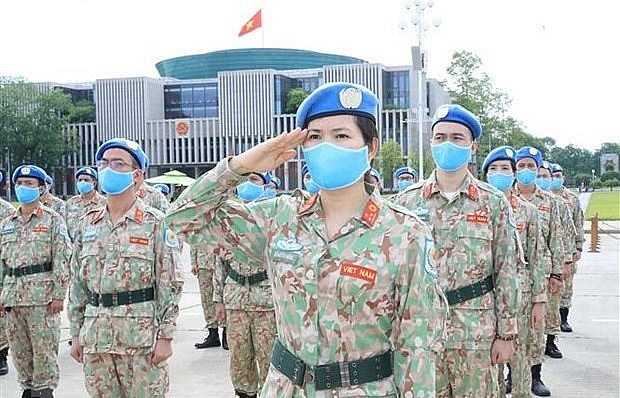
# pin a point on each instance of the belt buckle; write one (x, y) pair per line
(308, 374)
(345, 377)
(115, 299)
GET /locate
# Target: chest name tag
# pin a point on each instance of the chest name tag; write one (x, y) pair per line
(357, 271)
(137, 240)
(40, 228)
(478, 218)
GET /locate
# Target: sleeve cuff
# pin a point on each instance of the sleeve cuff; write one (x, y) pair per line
(166, 332)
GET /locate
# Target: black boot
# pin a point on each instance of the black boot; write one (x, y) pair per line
(551, 349)
(4, 365)
(26, 393)
(224, 339)
(45, 393)
(212, 340)
(243, 395)
(565, 326)
(508, 382)
(538, 387)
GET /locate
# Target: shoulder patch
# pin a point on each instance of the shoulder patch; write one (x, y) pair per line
(430, 257)
(170, 239)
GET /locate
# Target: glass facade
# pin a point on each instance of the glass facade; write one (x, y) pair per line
(190, 100)
(396, 90)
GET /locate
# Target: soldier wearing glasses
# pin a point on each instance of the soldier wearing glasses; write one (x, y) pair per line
(123, 301)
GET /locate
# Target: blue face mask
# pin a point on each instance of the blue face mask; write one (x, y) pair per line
(311, 186)
(269, 193)
(334, 167)
(115, 182)
(501, 181)
(26, 194)
(403, 184)
(249, 191)
(526, 176)
(543, 183)
(450, 157)
(557, 183)
(84, 187)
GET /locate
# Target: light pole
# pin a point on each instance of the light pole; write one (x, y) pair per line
(7, 178)
(416, 10)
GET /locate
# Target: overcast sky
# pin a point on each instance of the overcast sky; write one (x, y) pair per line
(555, 59)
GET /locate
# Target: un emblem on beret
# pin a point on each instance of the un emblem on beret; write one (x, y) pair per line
(132, 145)
(350, 98)
(509, 152)
(442, 112)
(533, 151)
(26, 170)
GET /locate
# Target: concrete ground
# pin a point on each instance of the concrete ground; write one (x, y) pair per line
(590, 367)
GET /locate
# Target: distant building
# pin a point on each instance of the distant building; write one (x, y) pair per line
(208, 106)
(609, 162)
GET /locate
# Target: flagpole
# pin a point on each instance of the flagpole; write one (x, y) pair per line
(262, 30)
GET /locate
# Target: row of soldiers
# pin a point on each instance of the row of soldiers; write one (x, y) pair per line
(503, 254)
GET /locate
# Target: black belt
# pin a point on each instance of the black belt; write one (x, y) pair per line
(28, 269)
(250, 280)
(333, 375)
(470, 291)
(121, 298)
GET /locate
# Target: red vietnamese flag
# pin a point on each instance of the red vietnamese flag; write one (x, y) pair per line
(253, 23)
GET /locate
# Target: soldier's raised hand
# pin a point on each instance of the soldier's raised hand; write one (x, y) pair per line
(269, 154)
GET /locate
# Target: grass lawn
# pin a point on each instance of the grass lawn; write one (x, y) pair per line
(606, 204)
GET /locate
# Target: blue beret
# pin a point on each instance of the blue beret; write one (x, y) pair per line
(458, 114)
(529, 152)
(48, 179)
(85, 170)
(30, 171)
(165, 189)
(545, 165)
(132, 147)
(265, 176)
(554, 168)
(405, 170)
(304, 170)
(500, 153)
(337, 99)
(375, 173)
(1, 176)
(276, 181)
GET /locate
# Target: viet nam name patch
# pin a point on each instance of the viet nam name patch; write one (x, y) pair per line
(478, 218)
(138, 240)
(357, 271)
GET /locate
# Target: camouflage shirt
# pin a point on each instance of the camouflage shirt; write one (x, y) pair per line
(77, 206)
(567, 227)
(153, 197)
(577, 215)
(55, 203)
(40, 239)
(203, 259)
(366, 290)
(528, 227)
(548, 215)
(6, 209)
(474, 237)
(134, 253)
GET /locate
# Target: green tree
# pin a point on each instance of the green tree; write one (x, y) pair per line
(389, 158)
(611, 183)
(82, 112)
(574, 160)
(31, 124)
(429, 163)
(294, 97)
(610, 175)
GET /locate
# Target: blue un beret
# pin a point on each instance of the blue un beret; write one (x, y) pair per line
(48, 179)
(165, 189)
(85, 170)
(554, 168)
(276, 181)
(529, 152)
(337, 99)
(545, 165)
(457, 114)
(265, 176)
(30, 171)
(375, 173)
(500, 153)
(304, 170)
(405, 170)
(132, 147)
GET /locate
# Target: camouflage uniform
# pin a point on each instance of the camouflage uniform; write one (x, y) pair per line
(205, 263)
(533, 288)
(55, 203)
(77, 206)
(37, 243)
(6, 209)
(577, 217)
(135, 253)
(250, 321)
(475, 239)
(153, 197)
(361, 293)
(548, 214)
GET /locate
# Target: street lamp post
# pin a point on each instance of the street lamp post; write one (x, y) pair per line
(417, 9)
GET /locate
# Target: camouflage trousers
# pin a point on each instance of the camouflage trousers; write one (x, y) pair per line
(4, 339)
(205, 284)
(520, 366)
(34, 335)
(567, 292)
(251, 335)
(466, 373)
(124, 376)
(552, 317)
